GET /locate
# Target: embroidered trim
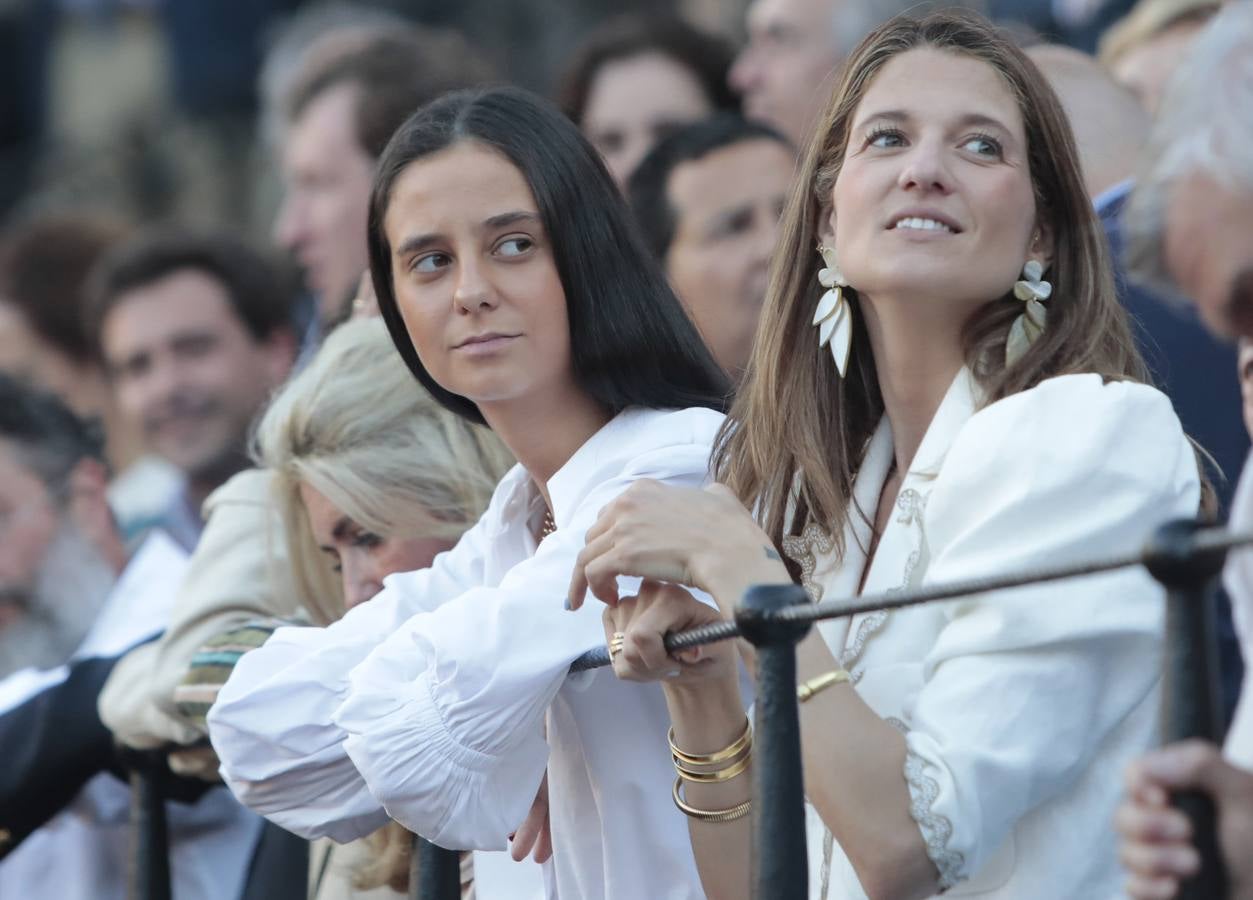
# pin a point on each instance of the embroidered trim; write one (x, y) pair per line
(803, 549)
(936, 829)
(911, 505)
(897, 724)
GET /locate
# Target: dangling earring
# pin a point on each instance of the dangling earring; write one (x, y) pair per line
(1032, 289)
(834, 316)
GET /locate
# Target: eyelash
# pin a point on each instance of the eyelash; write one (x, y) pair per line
(987, 138)
(367, 539)
(884, 131)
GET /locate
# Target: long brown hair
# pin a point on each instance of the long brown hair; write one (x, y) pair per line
(798, 432)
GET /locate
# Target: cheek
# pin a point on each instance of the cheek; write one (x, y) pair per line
(423, 323)
(693, 270)
(399, 555)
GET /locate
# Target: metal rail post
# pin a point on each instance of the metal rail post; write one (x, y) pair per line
(1191, 706)
(434, 873)
(780, 863)
(149, 875)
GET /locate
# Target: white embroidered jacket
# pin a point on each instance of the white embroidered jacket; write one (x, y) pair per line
(1019, 709)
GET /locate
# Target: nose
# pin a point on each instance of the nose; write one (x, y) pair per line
(744, 75)
(287, 224)
(361, 578)
(163, 381)
(925, 168)
(474, 291)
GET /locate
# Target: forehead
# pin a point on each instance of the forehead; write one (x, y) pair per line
(325, 131)
(461, 185)
(323, 514)
(929, 83)
(730, 176)
(186, 299)
(764, 15)
(19, 484)
(644, 86)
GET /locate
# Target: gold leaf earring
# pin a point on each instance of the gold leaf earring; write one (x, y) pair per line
(1032, 290)
(834, 316)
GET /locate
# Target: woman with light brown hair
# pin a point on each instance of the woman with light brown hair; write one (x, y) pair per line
(947, 389)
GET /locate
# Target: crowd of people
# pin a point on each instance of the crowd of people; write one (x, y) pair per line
(881, 299)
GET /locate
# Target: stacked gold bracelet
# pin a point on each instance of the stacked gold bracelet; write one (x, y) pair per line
(712, 768)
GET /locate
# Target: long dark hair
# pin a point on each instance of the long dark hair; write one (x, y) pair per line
(632, 343)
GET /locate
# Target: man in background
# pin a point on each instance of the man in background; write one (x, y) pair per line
(353, 88)
(73, 602)
(1190, 229)
(708, 199)
(195, 332)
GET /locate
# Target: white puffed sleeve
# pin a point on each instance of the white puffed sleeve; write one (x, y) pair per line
(1021, 692)
(445, 718)
(271, 724)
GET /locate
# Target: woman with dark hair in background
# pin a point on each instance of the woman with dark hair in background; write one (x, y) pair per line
(633, 81)
(518, 292)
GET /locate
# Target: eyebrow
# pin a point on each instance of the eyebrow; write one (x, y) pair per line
(965, 121)
(491, 223)
(342, 527)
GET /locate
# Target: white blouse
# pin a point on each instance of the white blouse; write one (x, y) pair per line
(442, 701)
(1019, 709)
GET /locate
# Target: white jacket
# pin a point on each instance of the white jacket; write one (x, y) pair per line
(1020, 710)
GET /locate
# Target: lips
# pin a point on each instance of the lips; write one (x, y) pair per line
(484, 341)
(923, 220)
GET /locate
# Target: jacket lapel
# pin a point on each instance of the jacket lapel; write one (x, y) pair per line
(901, 557)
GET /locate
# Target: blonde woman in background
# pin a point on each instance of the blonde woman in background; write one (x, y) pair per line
(363, 489)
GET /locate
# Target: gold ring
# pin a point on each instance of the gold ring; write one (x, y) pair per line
(615, 644)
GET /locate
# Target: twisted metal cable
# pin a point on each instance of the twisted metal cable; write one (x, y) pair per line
(1208, 540)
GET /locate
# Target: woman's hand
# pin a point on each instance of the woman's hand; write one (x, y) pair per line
(1156, 847)
(645, 620)
(534, 834)
(701, 538)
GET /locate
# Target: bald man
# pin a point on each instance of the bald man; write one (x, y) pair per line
(1110, 125)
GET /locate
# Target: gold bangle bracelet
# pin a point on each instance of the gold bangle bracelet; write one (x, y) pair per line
(715, 777)
(730, 752)
(738, 811)
(806, 689)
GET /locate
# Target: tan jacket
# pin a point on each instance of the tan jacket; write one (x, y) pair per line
(238, 573)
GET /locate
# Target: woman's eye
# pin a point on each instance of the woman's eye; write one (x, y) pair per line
(983, 145)
(514, 246)
(432, 262)
(886, 138)
(367, 539)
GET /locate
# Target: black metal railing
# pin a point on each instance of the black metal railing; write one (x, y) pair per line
(1184, 557)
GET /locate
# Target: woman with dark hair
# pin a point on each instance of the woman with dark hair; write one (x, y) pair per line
(635, 80)
(517, 291)
(957, 395)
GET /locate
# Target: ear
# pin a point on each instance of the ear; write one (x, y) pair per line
(1043, 245)
(826, 226)
(280, 355)
(90, 512)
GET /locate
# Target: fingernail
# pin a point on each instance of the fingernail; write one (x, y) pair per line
(569, 606)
